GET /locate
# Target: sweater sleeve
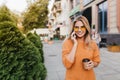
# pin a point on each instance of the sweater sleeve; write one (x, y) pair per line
(66, 48)
(96, 53)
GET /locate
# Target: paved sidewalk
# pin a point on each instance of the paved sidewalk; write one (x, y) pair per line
(53, 62)
(108, 69)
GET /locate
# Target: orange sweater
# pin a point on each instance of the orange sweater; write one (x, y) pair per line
(75, 70)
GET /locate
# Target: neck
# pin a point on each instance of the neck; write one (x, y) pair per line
(81, 39)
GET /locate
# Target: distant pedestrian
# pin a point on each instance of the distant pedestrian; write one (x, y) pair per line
(80, 54)
(51, 34)
(96, 37)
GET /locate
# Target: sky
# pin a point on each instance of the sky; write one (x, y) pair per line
(15, 5)
(19, 5)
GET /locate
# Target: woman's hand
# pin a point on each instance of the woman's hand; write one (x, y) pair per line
(90, 65)
(71, 55)
(73, 37)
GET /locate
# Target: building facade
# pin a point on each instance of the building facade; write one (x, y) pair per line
(103, 14)
(59, 19)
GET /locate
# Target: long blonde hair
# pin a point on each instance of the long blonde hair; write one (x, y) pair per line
(87, 26)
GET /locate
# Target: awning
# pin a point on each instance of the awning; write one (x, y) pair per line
(74, 10)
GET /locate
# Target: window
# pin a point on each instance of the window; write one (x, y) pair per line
(85, 2)
(102, 17)
(71, 1)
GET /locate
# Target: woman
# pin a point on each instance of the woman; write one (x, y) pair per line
(77, 47)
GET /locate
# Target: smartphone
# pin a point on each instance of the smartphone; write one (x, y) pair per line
(75, 35)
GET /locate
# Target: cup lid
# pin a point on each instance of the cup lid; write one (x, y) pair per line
(86, 60)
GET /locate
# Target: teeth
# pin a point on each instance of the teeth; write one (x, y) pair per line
(80, 32)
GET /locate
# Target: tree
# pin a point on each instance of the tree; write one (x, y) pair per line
(36, 15)
(7, 15)
(19, 58)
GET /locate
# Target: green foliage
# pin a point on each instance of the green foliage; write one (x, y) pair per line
(7, 15)
(19, 58)
(36, 15)
(5, 10)
(35, 39)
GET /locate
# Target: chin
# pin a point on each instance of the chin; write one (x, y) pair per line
(82, 35)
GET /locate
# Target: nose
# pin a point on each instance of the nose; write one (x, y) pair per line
(80, 29)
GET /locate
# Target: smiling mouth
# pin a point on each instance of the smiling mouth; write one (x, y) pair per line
(80, 32)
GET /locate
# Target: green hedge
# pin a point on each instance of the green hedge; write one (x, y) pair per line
(5, 17)
(19, 58)
(35, 39)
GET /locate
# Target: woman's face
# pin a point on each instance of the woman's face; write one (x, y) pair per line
(79, 29)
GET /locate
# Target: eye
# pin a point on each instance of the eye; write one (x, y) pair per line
(82, 28)
(76, 28)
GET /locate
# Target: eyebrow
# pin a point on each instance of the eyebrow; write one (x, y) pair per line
(79, 26)
(76, 26)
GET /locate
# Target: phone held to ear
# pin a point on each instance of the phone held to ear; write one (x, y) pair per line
(75, 35)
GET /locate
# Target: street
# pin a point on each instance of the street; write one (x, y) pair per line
(108, 69)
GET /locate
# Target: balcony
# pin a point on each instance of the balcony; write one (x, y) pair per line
(57, 4)
(54, 10)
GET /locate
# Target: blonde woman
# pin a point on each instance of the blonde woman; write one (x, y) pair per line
(78, 47)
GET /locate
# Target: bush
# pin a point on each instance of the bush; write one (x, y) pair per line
(19, 58)
(35, 39)
(5, 17)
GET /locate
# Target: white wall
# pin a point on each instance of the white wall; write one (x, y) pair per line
(41, 31)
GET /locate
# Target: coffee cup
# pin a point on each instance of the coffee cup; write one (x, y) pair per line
(85, 62)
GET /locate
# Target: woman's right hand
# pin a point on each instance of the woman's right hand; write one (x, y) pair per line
(73, 37)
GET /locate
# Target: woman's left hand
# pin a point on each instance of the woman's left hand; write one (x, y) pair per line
(90, 65)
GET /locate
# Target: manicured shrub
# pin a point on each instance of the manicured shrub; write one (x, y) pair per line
(5, 17)
(19, 58)
(35, 39)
